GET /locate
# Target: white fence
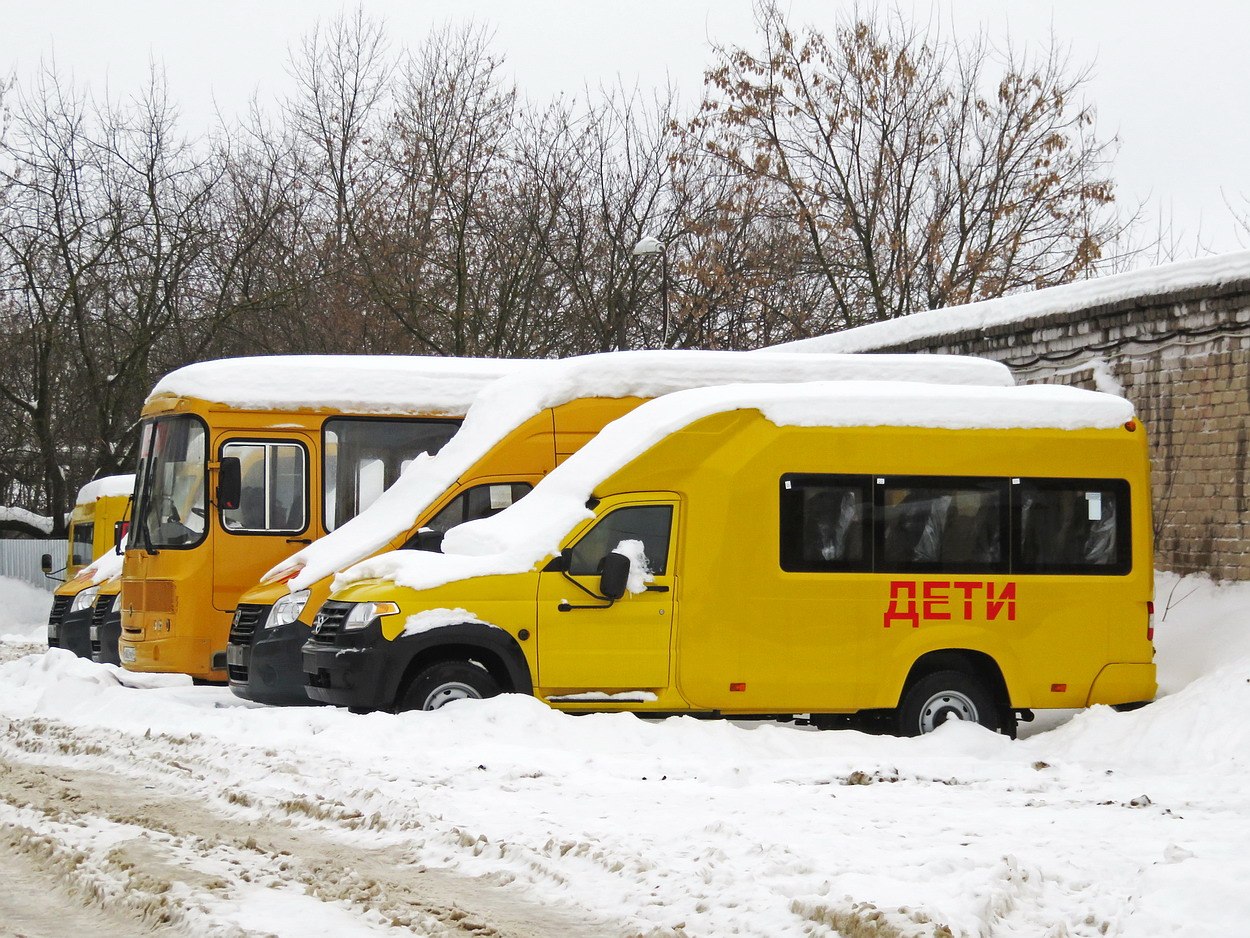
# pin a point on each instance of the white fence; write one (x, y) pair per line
(20, 558)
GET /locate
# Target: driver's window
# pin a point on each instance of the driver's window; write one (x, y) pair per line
(273, 491)
(650, 524)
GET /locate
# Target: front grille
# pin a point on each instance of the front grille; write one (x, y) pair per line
(60, 605)
(247, 618)
(102, 606)
(328, 621)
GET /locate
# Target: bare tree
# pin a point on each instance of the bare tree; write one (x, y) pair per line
(920, 173)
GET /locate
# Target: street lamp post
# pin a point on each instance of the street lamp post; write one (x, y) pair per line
(652, 245)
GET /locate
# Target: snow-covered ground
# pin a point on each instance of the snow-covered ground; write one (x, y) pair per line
(180, 805)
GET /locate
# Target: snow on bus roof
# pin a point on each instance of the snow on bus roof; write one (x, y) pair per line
(106, 487)
(512, 400)
(373, 384)
(530, 530)
(1021, 307)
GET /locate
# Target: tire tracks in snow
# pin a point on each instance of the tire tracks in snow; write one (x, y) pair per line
(144, 846)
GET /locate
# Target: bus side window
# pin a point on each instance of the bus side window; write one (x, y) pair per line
(824, 523)
(942, 524)
(274, 495)
(481, 501)
(1073, 526)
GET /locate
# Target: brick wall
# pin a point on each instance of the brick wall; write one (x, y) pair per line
(1183, 359)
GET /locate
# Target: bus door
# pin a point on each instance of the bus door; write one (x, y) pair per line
(273, 517)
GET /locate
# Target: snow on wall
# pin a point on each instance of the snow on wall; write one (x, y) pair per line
(530, 530)
(353, 384)
(1205, 272)
(39, 522)
(506, 404)
(106, 487)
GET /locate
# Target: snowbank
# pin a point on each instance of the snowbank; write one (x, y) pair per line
(509, 402)
(23, 611)
(531, 529)
(1128, 824)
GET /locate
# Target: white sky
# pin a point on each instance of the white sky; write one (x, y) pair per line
(1169, 79)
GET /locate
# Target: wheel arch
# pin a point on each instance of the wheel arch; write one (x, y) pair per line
(490, 646)
(978, 664)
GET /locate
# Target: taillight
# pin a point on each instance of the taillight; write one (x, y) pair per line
(1150, 621)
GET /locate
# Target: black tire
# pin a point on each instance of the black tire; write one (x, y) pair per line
(447, 681)
(947, 695)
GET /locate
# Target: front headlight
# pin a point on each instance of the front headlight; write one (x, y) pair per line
(84, 599)
(117, 603)
(287, 609)
(364, 613)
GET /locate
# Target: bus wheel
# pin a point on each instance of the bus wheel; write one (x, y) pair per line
(942, 696)
(447, 681)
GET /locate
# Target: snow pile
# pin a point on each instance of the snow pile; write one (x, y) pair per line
(25, 611)
(531, 529)
(106, 487)
(350, 384)
(977, 317)
(508, 403)
(1127, 824)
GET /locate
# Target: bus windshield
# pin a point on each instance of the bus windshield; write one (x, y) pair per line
(170, 511)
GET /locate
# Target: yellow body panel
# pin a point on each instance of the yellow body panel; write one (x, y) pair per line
(735, 633)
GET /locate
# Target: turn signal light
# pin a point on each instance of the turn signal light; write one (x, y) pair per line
(1150, 621)
(1058, 688)
(733, 688)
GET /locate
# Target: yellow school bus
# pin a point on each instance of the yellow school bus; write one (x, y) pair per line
(95, 527)
(243, 461)
(517, 431)
(849, 554)
(96, 519)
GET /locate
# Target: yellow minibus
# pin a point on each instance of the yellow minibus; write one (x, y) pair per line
(95, 527)
(243, 461)
(516, 432)
(859, 553)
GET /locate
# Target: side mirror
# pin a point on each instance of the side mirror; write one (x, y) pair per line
(229, 483)
(120, 530)
(429, 539)
(615, 576)
(45, 564)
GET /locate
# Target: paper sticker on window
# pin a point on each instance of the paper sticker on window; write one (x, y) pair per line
(1095, 505)
(500, 497)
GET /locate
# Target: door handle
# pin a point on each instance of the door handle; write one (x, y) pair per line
(299, 540)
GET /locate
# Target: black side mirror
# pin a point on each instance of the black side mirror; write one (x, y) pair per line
(429, 539)
(120, 529)
(615, 576)
(45, 564)
(229, 483)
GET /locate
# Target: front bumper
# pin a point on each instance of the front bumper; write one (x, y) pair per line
(73, 633)
(354, 677)
(267, 665)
